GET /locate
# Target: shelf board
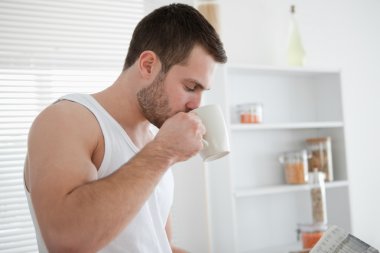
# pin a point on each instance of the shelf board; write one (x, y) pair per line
(268, 69)
(281, 126)
(267, 190)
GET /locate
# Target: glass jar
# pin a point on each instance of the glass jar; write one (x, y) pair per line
(318, 196)
(295, 167)
(250, 113)
(320, 156)
(310, 234)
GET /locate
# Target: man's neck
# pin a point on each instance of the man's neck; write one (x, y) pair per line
(121, 103)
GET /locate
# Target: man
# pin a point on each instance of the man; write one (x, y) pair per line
(97, 179)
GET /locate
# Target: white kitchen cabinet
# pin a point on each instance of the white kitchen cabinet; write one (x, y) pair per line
(251, 207)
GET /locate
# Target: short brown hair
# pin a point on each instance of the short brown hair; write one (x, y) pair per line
(171, 32)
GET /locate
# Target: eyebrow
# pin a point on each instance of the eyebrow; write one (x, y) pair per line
(196, 83)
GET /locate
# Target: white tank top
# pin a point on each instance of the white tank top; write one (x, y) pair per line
(146, 232)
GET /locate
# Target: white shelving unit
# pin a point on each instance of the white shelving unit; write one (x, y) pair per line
(303, 125)
(260, 191)
(251, 204)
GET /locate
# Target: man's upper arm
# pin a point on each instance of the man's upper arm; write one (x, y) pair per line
(59, 154)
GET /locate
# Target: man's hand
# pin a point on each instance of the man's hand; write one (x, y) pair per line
(180, 137)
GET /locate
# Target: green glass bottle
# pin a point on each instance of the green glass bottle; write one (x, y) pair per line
(295, 49)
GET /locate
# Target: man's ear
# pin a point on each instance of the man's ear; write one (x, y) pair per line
(149, 64)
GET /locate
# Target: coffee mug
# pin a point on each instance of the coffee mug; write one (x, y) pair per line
(215, 141)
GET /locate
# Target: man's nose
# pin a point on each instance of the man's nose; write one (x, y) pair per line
(195, 102)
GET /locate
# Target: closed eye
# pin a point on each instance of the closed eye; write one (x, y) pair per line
(192, 85)
(190, 88)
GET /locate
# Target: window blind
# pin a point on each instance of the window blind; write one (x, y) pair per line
(48, 49)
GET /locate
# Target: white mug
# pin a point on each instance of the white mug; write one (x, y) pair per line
(216, 143)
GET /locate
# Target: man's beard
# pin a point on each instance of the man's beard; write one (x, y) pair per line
(154, 101)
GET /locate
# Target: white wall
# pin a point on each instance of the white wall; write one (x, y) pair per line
(339, 33)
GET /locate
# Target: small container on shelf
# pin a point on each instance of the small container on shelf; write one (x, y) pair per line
(320, 156)
(250, 113)
(310, 234)
(318, 196)
(295, 166)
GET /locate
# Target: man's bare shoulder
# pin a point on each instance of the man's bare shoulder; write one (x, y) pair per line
(66, 118)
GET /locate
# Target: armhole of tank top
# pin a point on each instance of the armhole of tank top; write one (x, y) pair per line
(86, 101)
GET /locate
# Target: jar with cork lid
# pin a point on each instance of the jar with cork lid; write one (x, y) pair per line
(320, 156)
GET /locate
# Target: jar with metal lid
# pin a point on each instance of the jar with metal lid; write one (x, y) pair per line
(250, 113)
(310, 234)
(295, 167)
(320, 156)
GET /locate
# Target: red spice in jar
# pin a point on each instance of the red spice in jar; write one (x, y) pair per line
(311, 233)
(249, 118)
(309, 239)
(251, 113)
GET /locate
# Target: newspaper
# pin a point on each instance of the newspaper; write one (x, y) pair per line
(337, 240)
